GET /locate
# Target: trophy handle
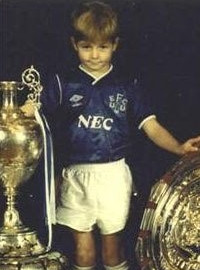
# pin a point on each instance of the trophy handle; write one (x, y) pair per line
(31, 78)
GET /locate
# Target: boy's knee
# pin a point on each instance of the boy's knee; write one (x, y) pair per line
(85, 256)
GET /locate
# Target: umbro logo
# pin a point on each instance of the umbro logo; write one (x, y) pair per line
(75, 100)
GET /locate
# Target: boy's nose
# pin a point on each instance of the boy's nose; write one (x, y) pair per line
(95, 53)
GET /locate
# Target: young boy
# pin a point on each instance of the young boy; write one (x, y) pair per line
(92, 111)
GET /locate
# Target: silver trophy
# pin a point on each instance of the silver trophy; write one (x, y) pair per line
(21, 145)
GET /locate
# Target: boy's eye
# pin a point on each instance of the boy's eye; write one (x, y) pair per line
(105, 46)
(85, 46)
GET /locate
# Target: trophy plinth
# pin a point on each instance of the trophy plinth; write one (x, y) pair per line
(21, 145)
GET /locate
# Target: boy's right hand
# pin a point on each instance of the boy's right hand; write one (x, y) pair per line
(28, 109)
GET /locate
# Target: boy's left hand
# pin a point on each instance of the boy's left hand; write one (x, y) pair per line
(28, 109)
(191, 145)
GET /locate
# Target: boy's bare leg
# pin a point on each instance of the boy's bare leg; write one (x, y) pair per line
(85, 252)
(112, 249)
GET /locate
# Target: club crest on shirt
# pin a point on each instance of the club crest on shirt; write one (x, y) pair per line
(75, 100)
(118, 103)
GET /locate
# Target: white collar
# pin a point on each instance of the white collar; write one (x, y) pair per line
(96, 79)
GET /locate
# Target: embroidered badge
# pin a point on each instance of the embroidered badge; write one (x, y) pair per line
(118, 103)
(75, 100)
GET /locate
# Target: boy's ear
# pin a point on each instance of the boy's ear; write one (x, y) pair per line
(115, 43)
(73, 43)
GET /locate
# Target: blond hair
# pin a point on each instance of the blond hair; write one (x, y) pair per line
(94, 21)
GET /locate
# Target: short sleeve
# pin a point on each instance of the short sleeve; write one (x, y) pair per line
(140, 107)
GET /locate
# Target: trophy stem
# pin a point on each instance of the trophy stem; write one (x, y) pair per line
(11, 215)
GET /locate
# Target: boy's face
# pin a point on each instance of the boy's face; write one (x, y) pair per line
(95, 57)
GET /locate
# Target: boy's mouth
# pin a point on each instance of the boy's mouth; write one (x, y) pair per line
(94, 63)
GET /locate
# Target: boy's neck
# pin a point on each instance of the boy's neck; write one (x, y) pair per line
(96, 75)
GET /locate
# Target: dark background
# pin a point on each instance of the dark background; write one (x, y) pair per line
(160, 42)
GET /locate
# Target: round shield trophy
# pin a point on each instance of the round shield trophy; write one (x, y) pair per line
(169, 237)
(21, 145)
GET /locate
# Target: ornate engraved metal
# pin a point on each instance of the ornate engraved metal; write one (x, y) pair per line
(21, 145)
(169, 237)
(31, 78)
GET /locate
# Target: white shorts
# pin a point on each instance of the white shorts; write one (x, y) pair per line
(95, 194)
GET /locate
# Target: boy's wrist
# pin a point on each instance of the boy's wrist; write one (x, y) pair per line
(181, 150)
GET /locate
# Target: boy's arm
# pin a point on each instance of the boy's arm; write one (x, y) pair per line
(163, 138)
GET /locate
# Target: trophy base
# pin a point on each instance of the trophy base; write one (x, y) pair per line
(16, 243)
(20, 249)
(47, 261)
